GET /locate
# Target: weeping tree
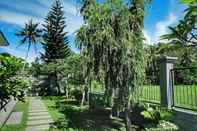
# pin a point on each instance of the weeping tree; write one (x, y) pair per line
(111, 42)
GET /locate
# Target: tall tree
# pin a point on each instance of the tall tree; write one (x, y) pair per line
(112, 42)
(55, 41)
(55, 38)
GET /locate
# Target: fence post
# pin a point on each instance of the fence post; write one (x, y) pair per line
(166, 64)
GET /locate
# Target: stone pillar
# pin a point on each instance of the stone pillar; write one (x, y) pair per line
(166, 83)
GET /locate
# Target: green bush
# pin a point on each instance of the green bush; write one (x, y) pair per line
(12, 82)
(76, 94)
(97, 100)
(151, 115)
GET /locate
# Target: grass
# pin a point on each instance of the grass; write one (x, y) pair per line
(20, 107)
(69, 116)
(185, 96)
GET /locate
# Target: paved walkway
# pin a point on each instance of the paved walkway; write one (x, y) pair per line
(38, 117)
(4, 113)
(15, 118)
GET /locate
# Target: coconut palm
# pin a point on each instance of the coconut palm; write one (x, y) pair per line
(30, 35)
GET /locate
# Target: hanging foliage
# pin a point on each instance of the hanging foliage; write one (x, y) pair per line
(111, 42)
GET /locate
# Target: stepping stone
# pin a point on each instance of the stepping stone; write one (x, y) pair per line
(34, 111)
(37, 109)
(40, 122)
(39, 114)
(39, 127)
(4, 114)
(15, 118)
(39, 117)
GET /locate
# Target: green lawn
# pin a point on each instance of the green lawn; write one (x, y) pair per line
(20, 107)
(69, 116)
(184, 95)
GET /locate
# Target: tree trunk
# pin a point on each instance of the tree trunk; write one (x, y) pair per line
(57, 84)
(67, 95)
(83, 97)
(127, 117)
(113, 102)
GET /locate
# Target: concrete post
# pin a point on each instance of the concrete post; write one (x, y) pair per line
(166, 65)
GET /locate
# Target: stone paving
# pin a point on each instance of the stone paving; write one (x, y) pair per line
(4, 113)
(38, 117)
(15, 118)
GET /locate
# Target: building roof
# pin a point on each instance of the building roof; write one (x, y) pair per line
(3, 40)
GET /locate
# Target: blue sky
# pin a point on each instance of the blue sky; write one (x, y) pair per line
(14, 13)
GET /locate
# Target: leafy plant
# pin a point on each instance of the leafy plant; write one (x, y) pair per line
(151, 115)
(12, 83)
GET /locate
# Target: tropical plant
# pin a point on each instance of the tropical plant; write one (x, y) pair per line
(185, 32)
(30, 35)
(12, 83)
(183, 36)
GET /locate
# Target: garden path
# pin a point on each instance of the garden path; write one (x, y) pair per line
(38, 116)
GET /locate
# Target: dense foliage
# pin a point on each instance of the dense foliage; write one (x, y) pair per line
(12, 83)
(111, 42)
(55, 41)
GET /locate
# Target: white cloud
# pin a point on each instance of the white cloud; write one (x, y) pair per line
(162, 26)
(25, 7)
(21, 54)
(147, 37)
(17, 18)
(37, 10)
(69, 8)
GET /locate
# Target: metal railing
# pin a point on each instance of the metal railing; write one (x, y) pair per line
(150, 94)
(184, 85)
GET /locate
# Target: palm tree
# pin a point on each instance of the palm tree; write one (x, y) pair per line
(30, 35)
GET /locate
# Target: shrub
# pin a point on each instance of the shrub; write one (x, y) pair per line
(151, 115)
(162, 126)
(77, 94)
(97, 100)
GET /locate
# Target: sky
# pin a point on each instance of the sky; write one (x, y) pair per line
(160, 14)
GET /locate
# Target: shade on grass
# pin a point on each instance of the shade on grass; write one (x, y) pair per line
(70, 116)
